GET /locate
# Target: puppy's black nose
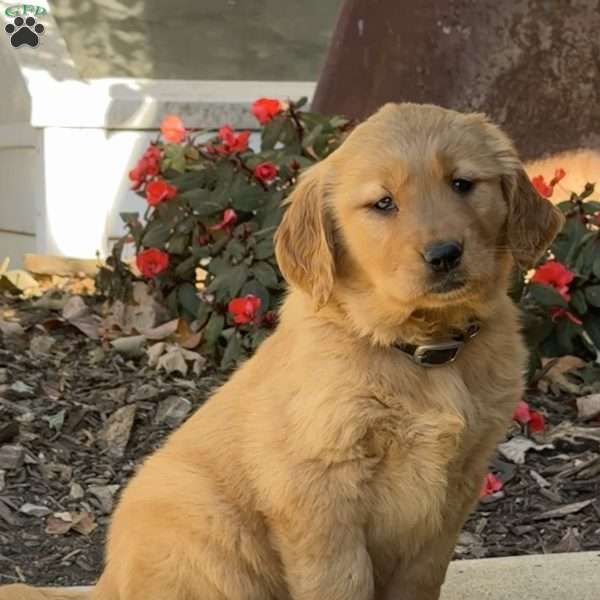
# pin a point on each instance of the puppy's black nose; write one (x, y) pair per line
(442, 257)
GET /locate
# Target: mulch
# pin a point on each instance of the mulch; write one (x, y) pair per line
(78, 417)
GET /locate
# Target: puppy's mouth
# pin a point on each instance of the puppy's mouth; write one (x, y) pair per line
(449, 284)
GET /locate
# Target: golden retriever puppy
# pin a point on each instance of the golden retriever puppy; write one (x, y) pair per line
(341, 461)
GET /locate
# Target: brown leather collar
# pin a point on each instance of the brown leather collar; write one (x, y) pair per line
(438, 354)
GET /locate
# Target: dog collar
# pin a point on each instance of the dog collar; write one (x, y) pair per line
(439, 353)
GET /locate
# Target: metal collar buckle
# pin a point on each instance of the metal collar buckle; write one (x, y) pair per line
(441, 353)
(435, 355)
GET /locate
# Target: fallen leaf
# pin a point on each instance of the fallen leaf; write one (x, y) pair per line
(61, 523)
(563, 511)
(163, 331)
(173, 410)
(186, 337)
(77, 313)
(144, 313)
(557, 374)
(57, 420)
(114, 436)
(588, 407)
(516, 448)
(105, 495)
(131, 346)
(21, 281)
(154, 353)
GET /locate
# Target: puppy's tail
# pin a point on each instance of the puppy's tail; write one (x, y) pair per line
(25, 592)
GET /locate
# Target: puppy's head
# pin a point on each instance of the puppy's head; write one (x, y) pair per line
(421, 208)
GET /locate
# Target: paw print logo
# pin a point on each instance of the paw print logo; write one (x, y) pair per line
(24, 31)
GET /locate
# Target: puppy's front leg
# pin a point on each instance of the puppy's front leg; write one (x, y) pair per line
(326, 563)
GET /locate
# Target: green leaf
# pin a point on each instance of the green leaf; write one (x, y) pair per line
(188, 299)
(596, 265)
(592, 295)
(235, 249)
(213, 328)
(203, 313)
(204, 203)
(186, 268)
(591, 207)
(218, 265)
(174, 158)
(578, 302)
(266, 274)
(179, 244)
(157, 234)
(189, 181)
(259, 336)
(227, 284)
(248, 198)
(301, 102)
(255, 288)
(591, 324)
(546, 296)
(233, 351)
(264, 249)
(568, 239)
(272, 132)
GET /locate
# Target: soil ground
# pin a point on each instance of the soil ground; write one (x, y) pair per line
(59, 395)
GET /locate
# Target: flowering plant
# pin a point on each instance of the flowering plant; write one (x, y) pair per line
(212, 208)
(561, 298)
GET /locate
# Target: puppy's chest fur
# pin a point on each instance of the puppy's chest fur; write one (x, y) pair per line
(427, 449)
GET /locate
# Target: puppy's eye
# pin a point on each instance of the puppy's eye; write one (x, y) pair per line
(386, 204)
(462, 186)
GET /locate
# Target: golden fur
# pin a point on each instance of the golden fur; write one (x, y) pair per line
(330, 466)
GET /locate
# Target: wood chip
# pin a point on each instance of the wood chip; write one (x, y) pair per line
(563, 511)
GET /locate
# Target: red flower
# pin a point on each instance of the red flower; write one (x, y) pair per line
(244, 310)
(264, 109)
(491, 485)
(537, 423)
(546, 189)
(148, 166)
(532, 418)
(232, 143)
(542, 188)
(555, 275)
(152, 262)
(522, 413)
(562, 313)
(159, 190)
(172, 129)
(558, 175)
(265, 172)
(229, 218)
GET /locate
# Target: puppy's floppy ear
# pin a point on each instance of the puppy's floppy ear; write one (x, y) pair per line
(304, 239)
(532, 222)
